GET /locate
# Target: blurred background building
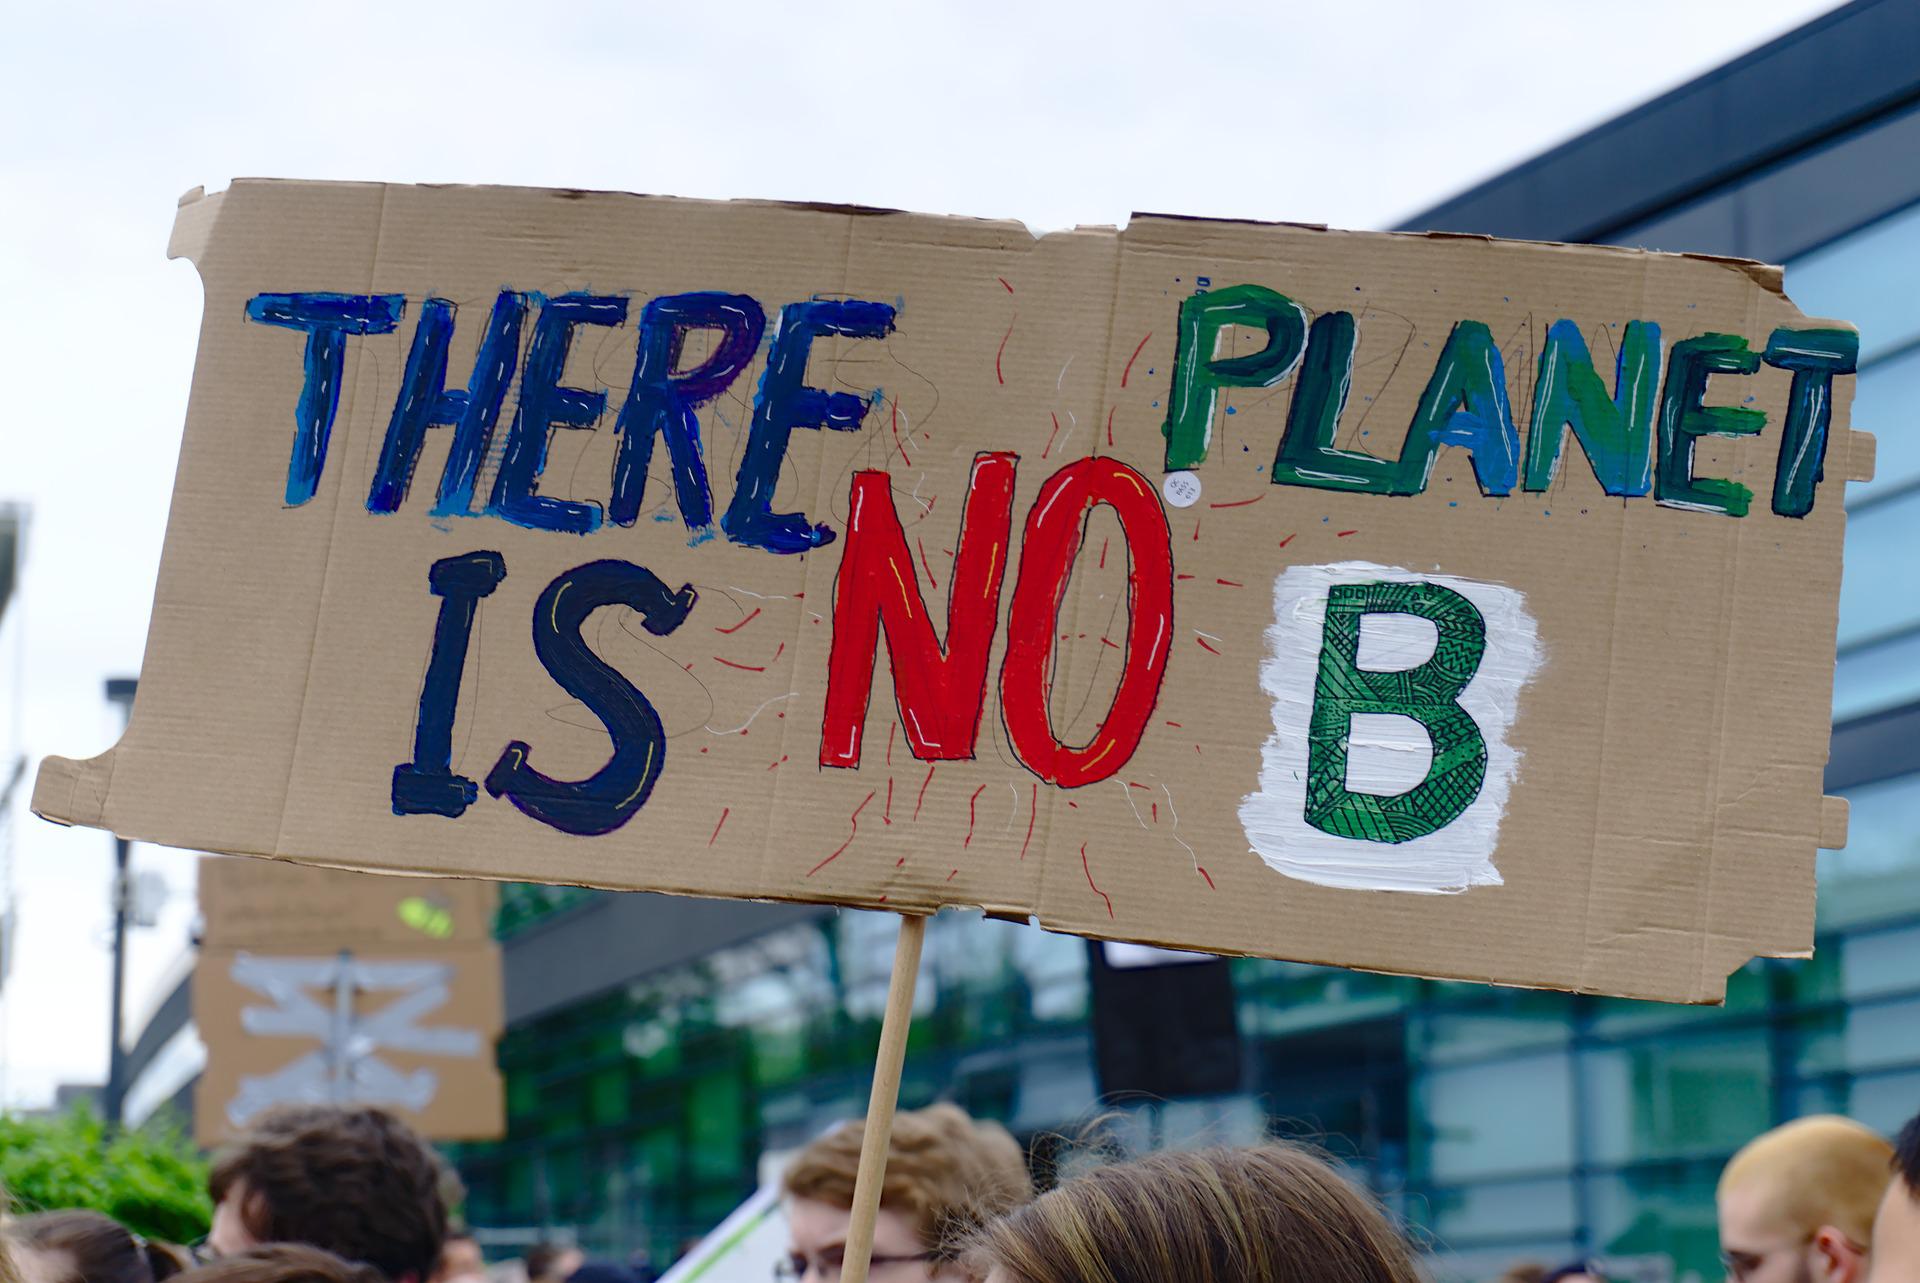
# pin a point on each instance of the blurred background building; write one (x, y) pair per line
(657, 1048)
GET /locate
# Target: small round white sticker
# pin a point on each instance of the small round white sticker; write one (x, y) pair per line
(1182, 489)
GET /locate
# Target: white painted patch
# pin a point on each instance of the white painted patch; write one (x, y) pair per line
(1387, 754)
(1181, 489)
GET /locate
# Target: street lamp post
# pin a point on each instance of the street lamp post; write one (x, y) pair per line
(120, 694)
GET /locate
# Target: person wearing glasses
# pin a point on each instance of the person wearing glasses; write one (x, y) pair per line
(1796, 1204)
(1896, 1230)
(946, 1176)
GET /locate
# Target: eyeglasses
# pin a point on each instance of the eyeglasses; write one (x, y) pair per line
(826, 1266)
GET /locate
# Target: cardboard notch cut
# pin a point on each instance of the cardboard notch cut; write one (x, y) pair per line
(1833, 823)
(1863, 452)
(71, 791)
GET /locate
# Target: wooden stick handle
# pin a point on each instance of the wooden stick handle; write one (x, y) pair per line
(887, 1064)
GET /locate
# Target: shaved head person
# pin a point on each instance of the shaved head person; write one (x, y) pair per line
(1797, 1204)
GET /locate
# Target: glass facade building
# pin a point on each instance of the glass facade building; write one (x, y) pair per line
(1502, 1124)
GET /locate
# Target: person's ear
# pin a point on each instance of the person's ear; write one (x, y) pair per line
(1836, 1258)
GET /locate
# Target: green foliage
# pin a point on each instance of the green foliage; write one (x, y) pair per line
(151, 1179)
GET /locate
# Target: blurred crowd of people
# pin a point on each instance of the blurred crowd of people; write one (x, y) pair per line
(343, 1195)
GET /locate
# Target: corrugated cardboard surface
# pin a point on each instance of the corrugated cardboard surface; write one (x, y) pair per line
(468, 1102)
(1661, 829)
(272, 909)
(255, 904)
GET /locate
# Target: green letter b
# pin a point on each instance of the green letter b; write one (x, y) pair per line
(1427, 693)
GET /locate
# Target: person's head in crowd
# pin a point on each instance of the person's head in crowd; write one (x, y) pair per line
(946, 1175)
(1574, 1272)
(552, 1262)
(460, 1259)
(1262, 1214)
(358, 1182)
(1796, 1204)
(602, 1272)
(87, 1247)
(282, 1263)
(1523, 1272)
(1896, 1230)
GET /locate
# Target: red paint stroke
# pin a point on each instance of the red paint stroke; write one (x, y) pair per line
(742, 624)
(1208, 876)
(775, 764)
(892, 731)
(1108, 641)
(899, 862)
(854, 820)
(1229, 583)
(778, 651)
(896, 436)
(1089, 872)
(1156, 812)
(745, 668)
(1237, 503)
(1048, 448)
(716, 828)
(924, 563)
(882, 900)
(968, 841)
(1203, 646)
(1342, 534)
(953, 875)
(886, 814)
(1179, 578)
(1175, 725)
(1003, 281)
(1196, 530)
(1073, 805)
(1130, 360)
(1110, 410)
(923, 791)
(1032, 815)
(1288, 539)
(1136, 784)
(1103, 554)
(1002, 349)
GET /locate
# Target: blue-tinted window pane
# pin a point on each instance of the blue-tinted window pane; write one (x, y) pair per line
(1503, 1117)
(1880, 584)
(1876, 876)
(1886, 402)
(1877, 676)
(1503, 1211)
(1886, 1101)
(1678, 1097)
(1871, 278)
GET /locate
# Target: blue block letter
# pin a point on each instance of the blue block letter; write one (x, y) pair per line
(785, 403)
(327, 319)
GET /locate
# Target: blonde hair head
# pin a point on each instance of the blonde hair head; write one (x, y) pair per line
(1265, 1214)
(1813, 1172)
(945, 1171)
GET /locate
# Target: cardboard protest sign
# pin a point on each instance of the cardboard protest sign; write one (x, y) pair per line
(319, 986)
(1425, 604)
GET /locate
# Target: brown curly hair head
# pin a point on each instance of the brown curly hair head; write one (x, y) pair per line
(358, 1182)
(91, 1247)
(282, 1263)
(1262, 1214)
(945, 1172)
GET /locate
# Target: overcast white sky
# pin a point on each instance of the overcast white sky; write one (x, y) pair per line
(1356, 114)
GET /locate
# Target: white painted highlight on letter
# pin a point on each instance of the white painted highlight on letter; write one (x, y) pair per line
(1388, 754)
